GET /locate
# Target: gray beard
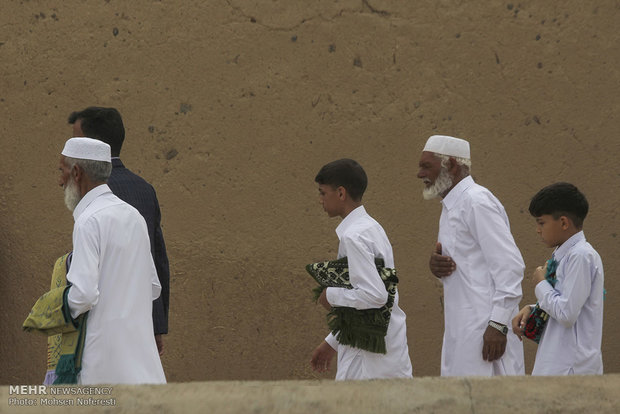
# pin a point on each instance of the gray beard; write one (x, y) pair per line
(440, 186)
(72, 195)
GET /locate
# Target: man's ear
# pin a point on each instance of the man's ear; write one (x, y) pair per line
(342, 193)
(453, 166)
(76, 173)
(565, 222)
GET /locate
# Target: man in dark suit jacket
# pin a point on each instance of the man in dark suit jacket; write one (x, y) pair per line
(106, 124)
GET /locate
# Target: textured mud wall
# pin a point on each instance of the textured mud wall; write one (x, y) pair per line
(232, 106)
(519, 395)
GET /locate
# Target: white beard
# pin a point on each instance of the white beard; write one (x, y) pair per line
(72, 195)
(440, 186)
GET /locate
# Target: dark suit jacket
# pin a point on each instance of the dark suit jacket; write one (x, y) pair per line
(135, 191)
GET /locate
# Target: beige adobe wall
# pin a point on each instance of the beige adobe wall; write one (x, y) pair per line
(419, 395)
(231, 107)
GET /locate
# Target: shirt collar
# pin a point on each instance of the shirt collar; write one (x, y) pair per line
(453, 196)
(89, 198)
(563, 249)
(350, 219)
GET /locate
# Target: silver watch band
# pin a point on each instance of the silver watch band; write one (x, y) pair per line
(502, 328)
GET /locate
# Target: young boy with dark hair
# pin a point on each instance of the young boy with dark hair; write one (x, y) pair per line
(362, 240)
(571, 341)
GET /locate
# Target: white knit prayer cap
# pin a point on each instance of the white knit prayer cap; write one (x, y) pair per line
(450, 146)
(87, 149)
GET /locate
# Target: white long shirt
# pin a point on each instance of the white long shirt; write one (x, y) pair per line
(114, 278)
(486, 285)
(571, 341)
(362, 240)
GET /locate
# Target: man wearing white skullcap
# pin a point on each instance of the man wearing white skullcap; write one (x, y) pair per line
(477, 261)
(112, 275)
(106, 125)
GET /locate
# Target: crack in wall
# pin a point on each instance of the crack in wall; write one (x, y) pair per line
(469, 394)
(382, 13)
(365, 5)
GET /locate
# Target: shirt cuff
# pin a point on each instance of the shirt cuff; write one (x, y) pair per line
(501, 315)
(331, 294)
(332, 341)
(542, 288)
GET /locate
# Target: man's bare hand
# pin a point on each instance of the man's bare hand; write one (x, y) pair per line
(441, 266)
(322, 357)
(323, 300)
(494, 344)
(159, 340)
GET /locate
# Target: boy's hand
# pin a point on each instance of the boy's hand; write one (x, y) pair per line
(494, 344)
(441, 266)
(322, 357)
(519, 321)
(323, 300)
(539, 274)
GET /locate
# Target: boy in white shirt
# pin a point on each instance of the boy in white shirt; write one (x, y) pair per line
(571, 341)
(362, 240)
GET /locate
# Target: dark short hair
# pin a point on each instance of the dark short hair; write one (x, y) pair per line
(104, 124)
(560, 199)
(346, 173)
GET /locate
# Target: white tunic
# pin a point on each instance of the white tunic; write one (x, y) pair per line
(362, 240)
(486, 285)
(114, 278)
(571, 341)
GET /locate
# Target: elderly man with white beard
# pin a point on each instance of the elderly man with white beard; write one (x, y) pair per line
(112, 275)
(478, 263)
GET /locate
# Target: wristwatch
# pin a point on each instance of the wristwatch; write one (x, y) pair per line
(502, 328)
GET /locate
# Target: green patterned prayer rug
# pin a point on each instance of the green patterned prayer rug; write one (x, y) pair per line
(364, 329)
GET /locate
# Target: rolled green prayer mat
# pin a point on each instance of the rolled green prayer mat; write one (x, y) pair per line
(364, 329)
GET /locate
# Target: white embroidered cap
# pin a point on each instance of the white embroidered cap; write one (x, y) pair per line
(450, 146)
(87, 149)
